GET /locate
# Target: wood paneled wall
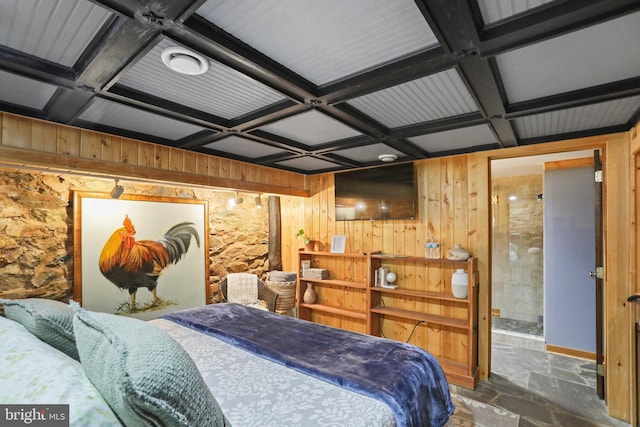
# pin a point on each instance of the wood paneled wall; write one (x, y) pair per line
(453, 206)
(25, 141)
(447, 208)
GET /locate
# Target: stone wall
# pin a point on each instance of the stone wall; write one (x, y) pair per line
(517, 273)
(36, 231)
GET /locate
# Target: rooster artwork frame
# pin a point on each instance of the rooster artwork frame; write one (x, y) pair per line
(140, 256)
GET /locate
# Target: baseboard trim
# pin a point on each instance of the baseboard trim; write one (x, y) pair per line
(571, 352)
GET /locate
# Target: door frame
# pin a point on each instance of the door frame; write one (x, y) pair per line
(617, 213)
(634, 156)
(577, 159)
(599, 280)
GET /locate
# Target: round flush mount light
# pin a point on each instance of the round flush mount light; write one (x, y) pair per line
(184, 61)
(387, 157)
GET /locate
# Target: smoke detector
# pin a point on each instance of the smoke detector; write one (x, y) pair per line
(387, 157)
(184, 61)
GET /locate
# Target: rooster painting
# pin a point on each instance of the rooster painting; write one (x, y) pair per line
(131, 264)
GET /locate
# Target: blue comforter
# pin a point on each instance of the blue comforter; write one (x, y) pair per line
(408, 379)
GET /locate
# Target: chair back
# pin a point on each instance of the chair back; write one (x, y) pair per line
(264, 293)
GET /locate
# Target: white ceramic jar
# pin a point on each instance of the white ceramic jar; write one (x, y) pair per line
(460, 283)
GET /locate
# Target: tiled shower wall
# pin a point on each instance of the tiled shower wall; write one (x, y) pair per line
(517, 278)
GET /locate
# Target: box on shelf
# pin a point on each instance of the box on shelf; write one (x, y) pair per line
(315, 273)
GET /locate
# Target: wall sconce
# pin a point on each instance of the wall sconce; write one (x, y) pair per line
(258, 202)
(235, 201)
(117, 191)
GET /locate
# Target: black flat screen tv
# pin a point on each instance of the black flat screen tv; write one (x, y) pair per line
(385, 192)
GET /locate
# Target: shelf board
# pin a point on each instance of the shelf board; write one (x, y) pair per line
(425, 317)
(445, 261)
(335, 282)
(420, 294)
(335, 310)
(334, 254)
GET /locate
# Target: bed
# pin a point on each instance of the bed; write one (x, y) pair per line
(223, 364)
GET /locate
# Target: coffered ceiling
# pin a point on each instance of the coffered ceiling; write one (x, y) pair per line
(316, 86)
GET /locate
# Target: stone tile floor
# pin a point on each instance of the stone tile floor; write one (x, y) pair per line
(521, 326)
(546, 389)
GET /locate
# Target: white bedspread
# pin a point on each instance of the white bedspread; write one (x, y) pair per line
(253, 391)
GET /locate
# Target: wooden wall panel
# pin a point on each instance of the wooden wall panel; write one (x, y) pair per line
(190, 162)
(110, 148)
(617, 271)
(235, 171)
(16, 132)
(453, 204)
(634, 179)
(201, 166)
(146, 155)
(224, 168)
(90, 145)
(44, 135)
(86, 151)
(176, 159)
(214, 166)
(128, 151)
(478, 239)
(443, 207)
(68, 142)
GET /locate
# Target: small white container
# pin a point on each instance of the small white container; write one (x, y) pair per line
(460, 283)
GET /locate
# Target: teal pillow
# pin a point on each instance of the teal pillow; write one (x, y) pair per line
(144, 375)
(49, 320)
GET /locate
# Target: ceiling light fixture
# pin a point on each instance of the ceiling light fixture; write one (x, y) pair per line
(387, 157)
(117, 191)
(184, 61)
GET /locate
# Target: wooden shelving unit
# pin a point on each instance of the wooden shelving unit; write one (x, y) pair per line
(348, 282)
(426, 299)
(441, 311)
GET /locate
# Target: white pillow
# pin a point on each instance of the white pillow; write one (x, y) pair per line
(242, 288)
(33, 372)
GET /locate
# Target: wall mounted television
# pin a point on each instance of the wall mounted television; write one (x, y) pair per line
(385, 192)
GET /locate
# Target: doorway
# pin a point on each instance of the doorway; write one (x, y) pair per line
(521, 305)
(517, 256)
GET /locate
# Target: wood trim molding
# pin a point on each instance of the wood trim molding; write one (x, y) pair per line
(571, 352)
(26, 160)
(569, 163)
